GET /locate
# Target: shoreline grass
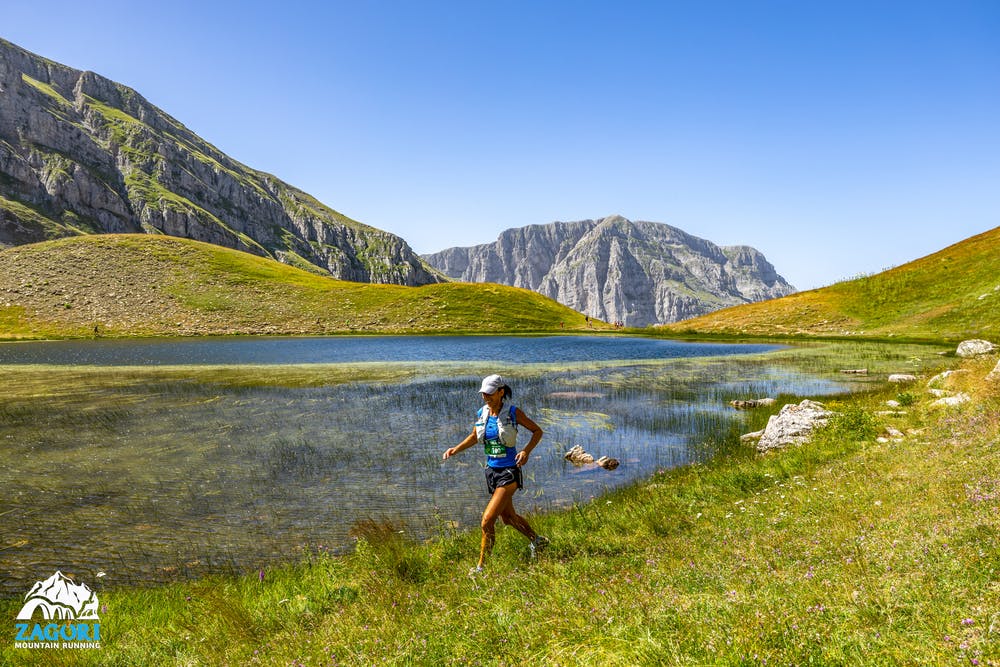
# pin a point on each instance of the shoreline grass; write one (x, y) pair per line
(846, 550)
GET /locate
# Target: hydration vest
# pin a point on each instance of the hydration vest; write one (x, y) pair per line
(506, 431)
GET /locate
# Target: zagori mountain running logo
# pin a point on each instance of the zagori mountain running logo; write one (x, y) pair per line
(60, 599)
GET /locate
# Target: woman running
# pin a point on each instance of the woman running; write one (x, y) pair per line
(496, 429)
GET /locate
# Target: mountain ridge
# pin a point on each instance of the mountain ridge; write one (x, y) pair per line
(613, 269)
(81, 154)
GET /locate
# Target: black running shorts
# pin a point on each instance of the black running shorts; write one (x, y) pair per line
(497, 477)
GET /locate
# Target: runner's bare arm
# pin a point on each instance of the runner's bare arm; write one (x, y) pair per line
(469, 441)
(536, 434)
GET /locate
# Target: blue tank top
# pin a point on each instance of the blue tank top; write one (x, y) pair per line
(498, 455)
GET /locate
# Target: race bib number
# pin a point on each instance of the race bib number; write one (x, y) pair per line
(494, 447)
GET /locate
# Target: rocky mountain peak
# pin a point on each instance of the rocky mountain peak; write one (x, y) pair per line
(619, 270)
(82, 154)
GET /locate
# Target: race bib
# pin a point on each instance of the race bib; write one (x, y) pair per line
(494, 447)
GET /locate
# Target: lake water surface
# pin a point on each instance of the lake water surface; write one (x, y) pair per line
(117, 460)
(326, 350)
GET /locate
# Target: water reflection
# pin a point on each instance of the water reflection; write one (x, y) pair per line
(151, 481)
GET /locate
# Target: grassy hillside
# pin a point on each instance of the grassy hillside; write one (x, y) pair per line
(127, 285)
(950, 295)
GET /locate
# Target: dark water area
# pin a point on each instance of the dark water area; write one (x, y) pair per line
(349, 349)
(149, 477)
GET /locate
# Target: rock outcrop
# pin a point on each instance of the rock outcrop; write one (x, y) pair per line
(974, 348)
(994, 375)
(793, 425)
(82, 154)
(616, 270)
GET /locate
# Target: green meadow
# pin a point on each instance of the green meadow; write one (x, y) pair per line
(875, 543)
(142, 285)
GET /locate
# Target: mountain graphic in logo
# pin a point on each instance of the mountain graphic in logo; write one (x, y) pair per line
(58, 597)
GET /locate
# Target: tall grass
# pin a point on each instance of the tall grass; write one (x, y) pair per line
(846, 550)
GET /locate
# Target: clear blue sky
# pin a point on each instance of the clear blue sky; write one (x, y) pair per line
(837, 137)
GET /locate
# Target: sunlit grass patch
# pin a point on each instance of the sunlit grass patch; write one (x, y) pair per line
(910, 301)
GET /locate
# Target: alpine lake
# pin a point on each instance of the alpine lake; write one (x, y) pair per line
(132, 462)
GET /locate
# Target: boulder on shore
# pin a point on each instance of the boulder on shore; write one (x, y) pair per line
(951, 401)
(974, 348)
(901, 378)
(793, 425)
(941, 378)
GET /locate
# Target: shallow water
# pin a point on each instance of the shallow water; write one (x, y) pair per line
(151, 477)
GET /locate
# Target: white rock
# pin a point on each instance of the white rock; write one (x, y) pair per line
(951, 401)
(975, 347)
(901, 378)
(994, 375)
(793, 425)
(941, 377)
(748, 437)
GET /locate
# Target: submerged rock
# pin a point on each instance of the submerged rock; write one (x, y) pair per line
(575, 394)
(578, 456)
(607, 462)
(751, 403)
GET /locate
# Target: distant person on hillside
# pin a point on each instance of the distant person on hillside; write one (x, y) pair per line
(496, 429)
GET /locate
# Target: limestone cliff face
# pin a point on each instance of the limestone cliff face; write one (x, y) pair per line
(82, 154)
(639, 273)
